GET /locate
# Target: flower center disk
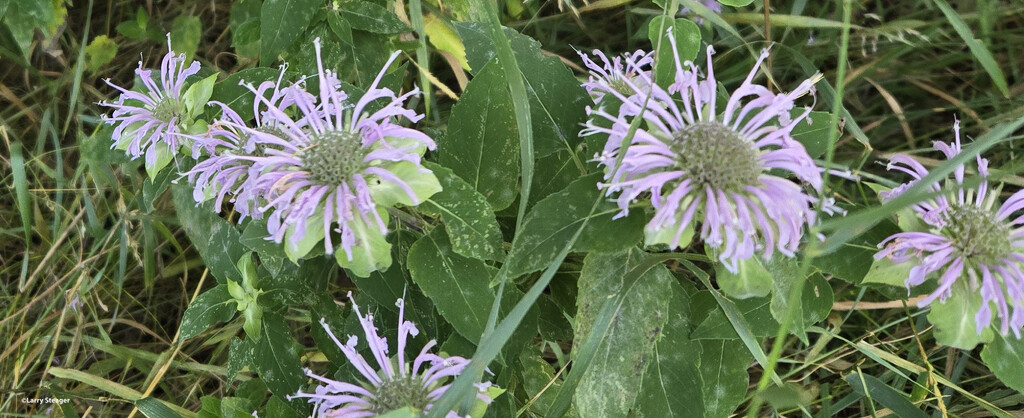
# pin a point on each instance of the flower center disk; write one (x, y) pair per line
(333, 157)
(167, 110)
(977, 233)
(399, 393)
(713, 155)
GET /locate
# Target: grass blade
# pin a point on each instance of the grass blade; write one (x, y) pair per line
(978, 49)
(21, 193)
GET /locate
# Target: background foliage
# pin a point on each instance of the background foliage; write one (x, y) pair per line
(117, 291)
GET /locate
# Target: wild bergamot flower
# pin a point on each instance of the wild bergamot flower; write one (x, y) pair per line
(393, 383)
(336, 166)
(150, 122)
(970, 237)
(616, 73)
(230, 144)
(698, 162)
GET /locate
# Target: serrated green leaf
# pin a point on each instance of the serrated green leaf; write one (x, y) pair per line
(238, 97)
(552, 222)
(672, 382)
(100, 52)
(687, 38)
(857, 257)
(241, 354)
(372, 18)
(457, 285)
(812, 305)
(281, 23)
(210, 307)
(1004, 355)
(954, 319)
(216, 240)
(470, 222)
(608, 387)
(481, 145)
(723, 371)
(716, 326)
(812, 132)
(276, 359)
(186, 32)
(557, 101)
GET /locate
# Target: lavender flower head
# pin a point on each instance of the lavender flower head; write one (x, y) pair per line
(970, 236)
(337, 167)
(149, 122)
(615, 72)
(228, 170)
(392, 383)
(697, 164)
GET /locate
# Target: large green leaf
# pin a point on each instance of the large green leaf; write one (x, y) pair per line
(470, 222)
(238, 97)
(812, 304)
(608, 387)
(687, 39)
(716, 325)
(281, 23)
(723, 372)
(954, 319)
(557, 102)
(457, 285)
(482, 146)
(373, 18)
(671, 385)
(1005, 357)
(553, 221)
(216, 240)
(276, 358)
(212, 306)
(853, 263)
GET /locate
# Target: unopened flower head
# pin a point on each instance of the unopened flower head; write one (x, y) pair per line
(230, 143)
(338, 166)
(393, 383)
(720, 169)
(971, 241)
(149, 122)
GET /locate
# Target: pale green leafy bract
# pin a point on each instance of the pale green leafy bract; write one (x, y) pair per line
(423, 183)
(371, 252)
(954, 319)
(750, 280)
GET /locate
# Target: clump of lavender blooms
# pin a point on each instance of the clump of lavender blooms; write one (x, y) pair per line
(391, 384)
(971, 240)
(697, 162)
(149, 123)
